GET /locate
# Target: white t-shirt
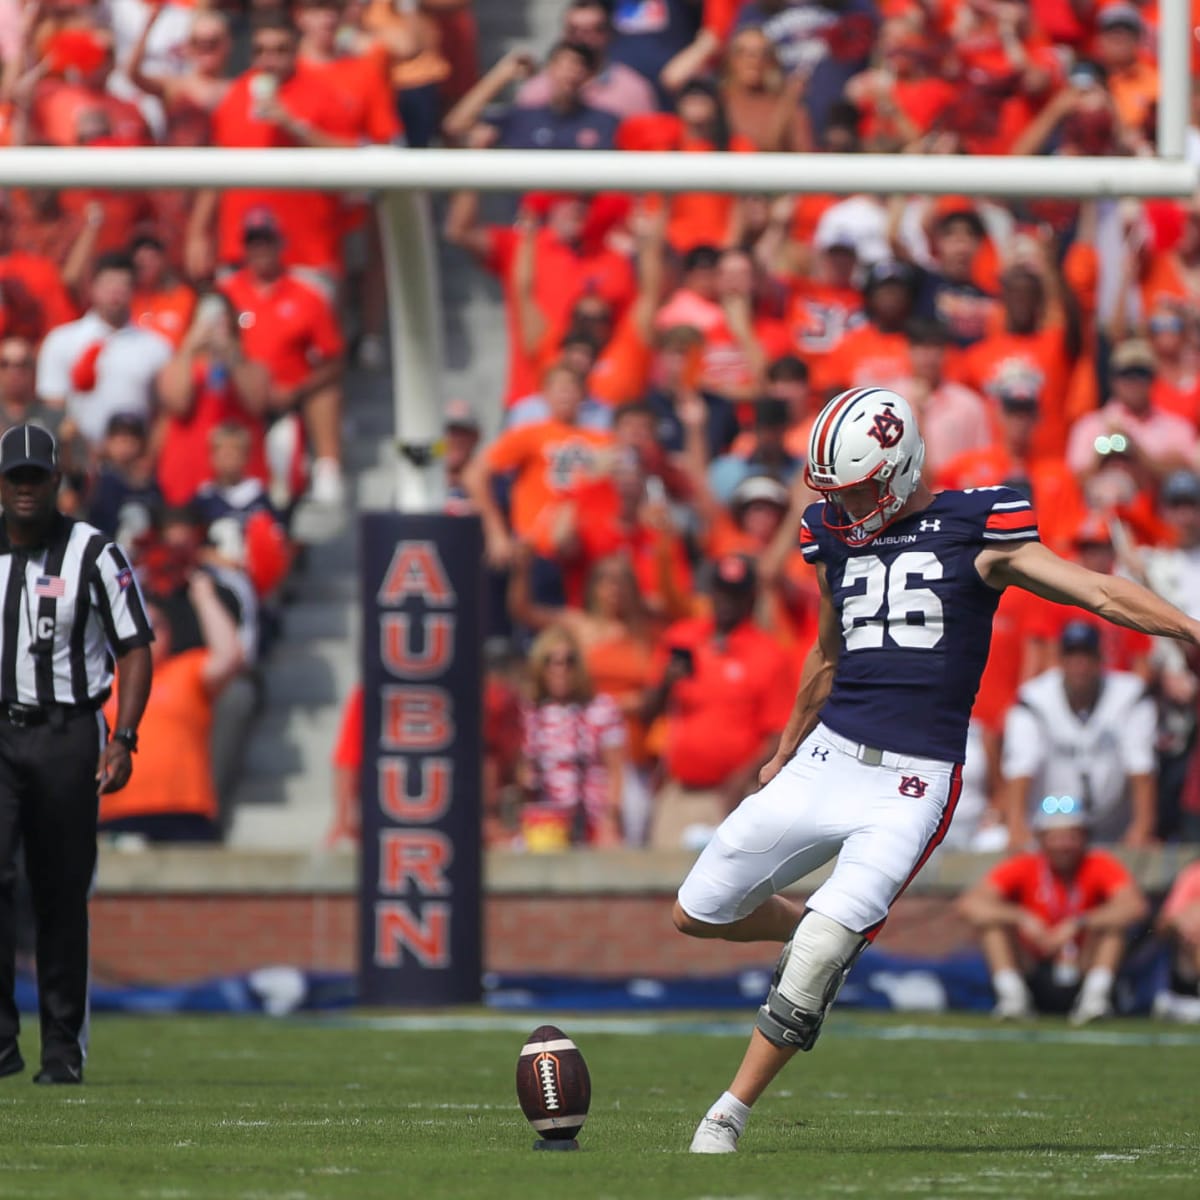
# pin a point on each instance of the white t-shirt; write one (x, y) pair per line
(1046, 742)
(125, 371)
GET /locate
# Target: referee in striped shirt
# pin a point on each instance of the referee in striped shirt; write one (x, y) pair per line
(69, 606)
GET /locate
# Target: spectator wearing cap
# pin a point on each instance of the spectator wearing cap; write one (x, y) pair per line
(877, 352)
(290, 328)
(162, 302)
(1131, 78)
(564, 122)
(103, 363)
(954, 419)
(1035, 348)
(724, 690)
(1083, 730)
(1178, 923)
(278, 102)
(859, 221)
(460, 426)
(1127, 447)
(124, 500)
(613, 87)
(1053, 922)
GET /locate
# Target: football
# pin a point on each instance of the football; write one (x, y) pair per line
(553, 1085)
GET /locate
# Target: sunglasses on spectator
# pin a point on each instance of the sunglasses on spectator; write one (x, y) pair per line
(258, 49)
(1166, 324)
(16, 364)
(561, 660)
(1135, 373)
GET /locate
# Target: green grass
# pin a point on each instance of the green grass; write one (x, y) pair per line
(254, 1109)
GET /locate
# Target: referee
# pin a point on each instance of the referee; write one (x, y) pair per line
(69, 605)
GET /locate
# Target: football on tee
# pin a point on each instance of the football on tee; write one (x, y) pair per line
(553, 1085)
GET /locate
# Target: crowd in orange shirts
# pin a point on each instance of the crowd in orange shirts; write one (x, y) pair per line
(188, 348)
(667, 356)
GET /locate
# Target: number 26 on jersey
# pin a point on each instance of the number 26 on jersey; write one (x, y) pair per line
(882, 599)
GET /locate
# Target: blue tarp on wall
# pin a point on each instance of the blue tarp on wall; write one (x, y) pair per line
(878, 981)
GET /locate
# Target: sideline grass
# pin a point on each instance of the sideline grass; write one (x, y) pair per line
(254, 1109)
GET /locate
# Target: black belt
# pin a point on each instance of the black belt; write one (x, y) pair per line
(25, 715)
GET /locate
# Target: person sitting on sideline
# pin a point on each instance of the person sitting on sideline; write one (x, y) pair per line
(1053, 922)
(1179, 923)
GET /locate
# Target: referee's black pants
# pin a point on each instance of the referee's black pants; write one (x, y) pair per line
(48, 805)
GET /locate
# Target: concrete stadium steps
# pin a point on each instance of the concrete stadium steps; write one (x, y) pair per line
(285, 799)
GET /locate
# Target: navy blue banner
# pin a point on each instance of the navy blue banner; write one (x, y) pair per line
(420, 889)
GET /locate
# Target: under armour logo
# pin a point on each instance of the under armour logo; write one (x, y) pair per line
(913, 785)
(930, 525)
(821, 752)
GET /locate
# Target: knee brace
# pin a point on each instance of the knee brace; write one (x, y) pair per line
(808, 977)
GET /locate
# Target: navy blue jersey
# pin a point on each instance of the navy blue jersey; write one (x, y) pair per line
(916, 619)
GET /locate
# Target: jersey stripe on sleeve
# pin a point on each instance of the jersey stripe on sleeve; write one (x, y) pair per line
(1011, 521)
(808, 544)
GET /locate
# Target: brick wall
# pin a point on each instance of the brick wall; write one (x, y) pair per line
(173, 938)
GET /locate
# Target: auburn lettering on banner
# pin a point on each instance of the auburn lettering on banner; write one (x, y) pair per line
(416, 570)
(436, 645)
(421, 858)
(426, 936)
(430, 802)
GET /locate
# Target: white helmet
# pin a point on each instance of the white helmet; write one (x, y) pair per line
(865, 435)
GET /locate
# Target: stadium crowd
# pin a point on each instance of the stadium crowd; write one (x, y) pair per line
(641, 498)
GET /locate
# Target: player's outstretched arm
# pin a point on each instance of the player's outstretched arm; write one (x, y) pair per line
(815, 681)
(1037, 569)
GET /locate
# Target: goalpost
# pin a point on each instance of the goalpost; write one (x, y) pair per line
(420, 877)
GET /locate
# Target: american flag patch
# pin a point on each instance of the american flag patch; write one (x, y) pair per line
(50, 586)
(124, 578)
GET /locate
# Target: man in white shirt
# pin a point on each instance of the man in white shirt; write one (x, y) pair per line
(1082, 731)
(102, 364)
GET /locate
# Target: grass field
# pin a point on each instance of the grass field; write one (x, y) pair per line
(357, 1108)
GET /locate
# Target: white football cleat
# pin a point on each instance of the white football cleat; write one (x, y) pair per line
(715, 1135)
(1016, 1007)
(1088, 1009)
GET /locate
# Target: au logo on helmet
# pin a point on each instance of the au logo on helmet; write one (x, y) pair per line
(887, 430)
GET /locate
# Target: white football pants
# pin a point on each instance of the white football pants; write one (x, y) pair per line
(881, 821)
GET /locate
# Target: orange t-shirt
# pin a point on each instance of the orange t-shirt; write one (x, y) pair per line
(552, 461)
(819, 317)
(1021, 618)
(562, 274)
(1057, 497)
(620, 667)
(35, 297)
(173, 770)
(1164, 282)
(286, 325)
(738, 696)
(1028, 881)
(363, 106)
(865, 356)
(922, 101)
(622, 372)
(349, 749)
(167, 312)
(309, 220)
(1134, 91)
(57, 107)
(1039, 362)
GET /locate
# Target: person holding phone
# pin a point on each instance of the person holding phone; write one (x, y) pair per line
(208, 383)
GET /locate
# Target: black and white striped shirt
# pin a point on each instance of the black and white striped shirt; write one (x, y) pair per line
(69, 607)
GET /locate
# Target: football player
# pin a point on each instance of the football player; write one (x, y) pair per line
(869, 766)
